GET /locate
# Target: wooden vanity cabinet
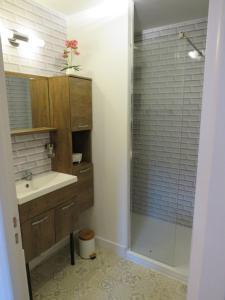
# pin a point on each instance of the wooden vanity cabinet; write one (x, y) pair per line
(85, 197)
(38, 234)
(66, 216)
(48, 219)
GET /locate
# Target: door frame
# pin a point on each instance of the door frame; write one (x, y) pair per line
(13, 282)
(207, 266)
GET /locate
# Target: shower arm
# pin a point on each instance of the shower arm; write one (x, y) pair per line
(184, 36)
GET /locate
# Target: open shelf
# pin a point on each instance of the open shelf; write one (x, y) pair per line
(26, 131)
(81, 142)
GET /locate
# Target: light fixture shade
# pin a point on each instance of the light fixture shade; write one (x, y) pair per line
(20, 36)
(16, 37)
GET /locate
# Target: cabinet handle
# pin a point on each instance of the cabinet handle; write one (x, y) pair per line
(68, 206)
(83, 126)
(40, 221)
(84, 170)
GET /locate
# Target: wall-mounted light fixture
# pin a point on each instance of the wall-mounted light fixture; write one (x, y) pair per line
(16, 37)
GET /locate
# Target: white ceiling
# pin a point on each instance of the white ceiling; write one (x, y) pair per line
(148, 13)
(153, 13)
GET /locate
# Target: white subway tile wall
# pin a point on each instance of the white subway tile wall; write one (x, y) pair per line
(29, 154)
(29, 17)
(166, 120)
(19, 102)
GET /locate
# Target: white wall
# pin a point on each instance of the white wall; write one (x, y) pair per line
(103, 33)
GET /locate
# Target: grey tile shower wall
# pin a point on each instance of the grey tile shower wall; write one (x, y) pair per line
(166, 121)
(29, 17)
(19, 102)
(29, 153)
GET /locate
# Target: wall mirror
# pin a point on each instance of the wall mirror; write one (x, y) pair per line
(28, 101)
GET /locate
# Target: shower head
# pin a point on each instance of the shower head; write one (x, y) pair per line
(199, 53)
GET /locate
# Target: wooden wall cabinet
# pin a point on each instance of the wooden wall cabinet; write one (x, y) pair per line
(71, 113)
(71, 102)
(40, 102)
(80, 104)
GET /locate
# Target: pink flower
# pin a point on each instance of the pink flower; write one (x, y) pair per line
(71, 44)
(77, 52)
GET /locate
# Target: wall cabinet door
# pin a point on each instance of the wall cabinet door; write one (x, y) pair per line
(80, 103)
(38, 234)
(40, 103)
(66, 217)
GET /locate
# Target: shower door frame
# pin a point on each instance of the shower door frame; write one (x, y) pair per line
(131, 254)
(202, 284)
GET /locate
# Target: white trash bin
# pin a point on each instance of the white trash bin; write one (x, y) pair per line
(87, 244)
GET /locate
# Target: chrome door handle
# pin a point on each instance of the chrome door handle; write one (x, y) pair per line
(68, 206)
(40, 221)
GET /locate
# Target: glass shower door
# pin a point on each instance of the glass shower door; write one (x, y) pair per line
(156, 144)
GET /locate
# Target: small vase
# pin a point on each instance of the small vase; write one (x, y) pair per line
(70, 71)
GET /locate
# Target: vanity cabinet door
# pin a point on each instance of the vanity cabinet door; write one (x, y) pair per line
(85, 188)
(66, 217)
(38, 234)
(80, 103)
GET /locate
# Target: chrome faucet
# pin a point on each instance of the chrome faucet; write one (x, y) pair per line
(27, 176)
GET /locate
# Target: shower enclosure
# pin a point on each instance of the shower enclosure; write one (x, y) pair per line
(166, 111)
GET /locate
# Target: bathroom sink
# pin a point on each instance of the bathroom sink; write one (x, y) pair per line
(42, 184)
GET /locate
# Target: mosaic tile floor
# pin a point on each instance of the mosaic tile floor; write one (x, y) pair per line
(108, 277)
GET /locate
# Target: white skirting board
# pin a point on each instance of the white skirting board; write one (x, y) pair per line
(116, 248)
(45, 255)
(119, 250)
(156, 266)
(100, 242)
(122, 251)
(57, 247)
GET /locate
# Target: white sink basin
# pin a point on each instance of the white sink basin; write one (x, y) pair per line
(42, 184)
